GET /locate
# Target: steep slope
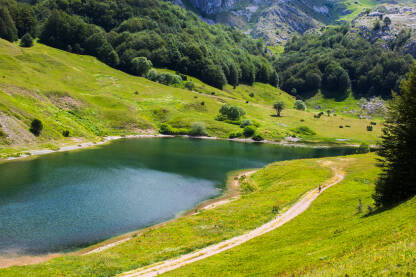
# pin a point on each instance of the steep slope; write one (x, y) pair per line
(274, 21)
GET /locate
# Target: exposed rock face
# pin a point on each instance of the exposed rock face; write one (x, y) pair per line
(274, 21)
(403, 19)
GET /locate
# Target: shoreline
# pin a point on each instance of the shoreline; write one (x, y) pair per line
(105, 140)
(231, 193)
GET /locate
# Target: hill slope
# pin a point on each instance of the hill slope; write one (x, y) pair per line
(91, 100)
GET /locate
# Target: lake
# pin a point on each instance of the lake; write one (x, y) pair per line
(63, 201)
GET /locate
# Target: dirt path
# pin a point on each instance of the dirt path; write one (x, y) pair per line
(298, 208)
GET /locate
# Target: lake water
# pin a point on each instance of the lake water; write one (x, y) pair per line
(62, 201)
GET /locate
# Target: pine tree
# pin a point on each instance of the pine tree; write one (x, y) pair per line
(8, 29)
(397, 182)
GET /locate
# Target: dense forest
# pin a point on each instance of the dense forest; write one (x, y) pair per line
(338, 61)
(117, 31)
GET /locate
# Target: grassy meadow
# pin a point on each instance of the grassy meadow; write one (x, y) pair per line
(79, 94)
(332, 238)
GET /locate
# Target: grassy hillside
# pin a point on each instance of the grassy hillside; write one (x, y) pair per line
(89, 99)
(330, 239)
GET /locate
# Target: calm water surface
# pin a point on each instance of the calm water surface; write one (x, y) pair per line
(62, 201)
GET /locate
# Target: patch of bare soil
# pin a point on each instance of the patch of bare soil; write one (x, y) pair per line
(14, 130)
(15, 90)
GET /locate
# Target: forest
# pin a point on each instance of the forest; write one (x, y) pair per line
(116, 32)
(339, 61)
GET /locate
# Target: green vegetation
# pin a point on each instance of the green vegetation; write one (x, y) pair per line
(338, 61)
(36, 127)
(332, 238)
(26, 41)
(79, 94)
(279, 106)
(397, 182)
(279, 184)
(118, 32)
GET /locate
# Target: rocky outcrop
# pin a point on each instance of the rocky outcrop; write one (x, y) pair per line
(400, 33)
(273, 21)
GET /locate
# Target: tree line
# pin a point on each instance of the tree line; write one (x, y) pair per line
(118, 31)
(339, 61)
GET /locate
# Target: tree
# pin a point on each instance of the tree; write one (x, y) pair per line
(377, 25)
(140, 66)
(36, 127)
(279, 106)
(26, 41)
(249, 131)
(232, 112)
(300, 105)
(8, 29)
(387, 21)
(397, 182)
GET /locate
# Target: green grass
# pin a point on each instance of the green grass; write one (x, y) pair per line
(90, 100)
(357, 6)
(278, 184)
(330, 239)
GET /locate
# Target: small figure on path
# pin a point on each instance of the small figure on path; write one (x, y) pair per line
(319, 188)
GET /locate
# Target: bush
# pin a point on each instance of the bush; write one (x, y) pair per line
(26, 41)
(163, 78)
(364, 148)
(249, 131)
(304, 130)
(36, 127)
(340, 126)
(300, 105)
(166, 129)
(251, 94)
(235, 135)
(245, 123)
(257, 137)
(65, 133)
(140, 66)
(369, 128)
(232, 112)
(189, 85)
(198, 129)
(373, 123)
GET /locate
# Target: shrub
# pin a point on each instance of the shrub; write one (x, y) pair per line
(373, 123)
(300, 105)
(36, 127)
(190, 85)
(232, 112)
(166, 129)
(65, 133)
(235, 135)
(245, 122)
(26, 41)
(364, 148)
(340, 126)
(140, 66)
(163, 78)
(257, 137)
(251, 94)
(275, 209)
(369, 128)
(249, 131)
(198, 129)
(304, 130)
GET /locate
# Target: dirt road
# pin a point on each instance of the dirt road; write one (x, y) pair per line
(298, 208)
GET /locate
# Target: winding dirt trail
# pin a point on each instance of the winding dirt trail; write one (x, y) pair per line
(298, 208)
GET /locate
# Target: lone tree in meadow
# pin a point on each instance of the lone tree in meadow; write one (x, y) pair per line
(36, 127)
(397, 181)
(279, 106)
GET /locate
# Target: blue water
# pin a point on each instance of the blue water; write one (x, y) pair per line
(62, 201)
